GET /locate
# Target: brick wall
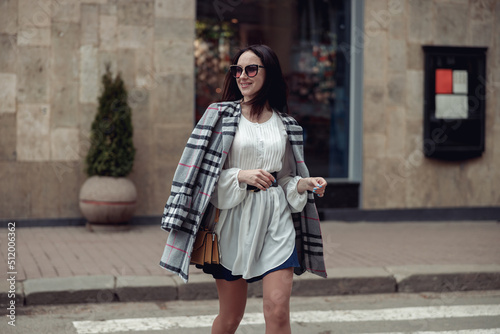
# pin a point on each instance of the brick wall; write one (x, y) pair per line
(52, 56)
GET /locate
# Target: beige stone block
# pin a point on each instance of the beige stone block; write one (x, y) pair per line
(135, 37)
(397, 56)
(8, 56)
(377, 16)
(65, 104)
(15, 191)
(108, 9)
(127, 66)
(398, 19)
(450, 25)
(66, 11)
(374, 145)
(396, 90)
(65, 51)
(100, 2)
(69, 189)
(90, 24)
(421, 187)
(374, 106)
(33, 132)
(142, 172)
(482, 10)
(45, 194)
(34, 36)
(168, 142)
(8, 90)
(8, 133)
(415, 56)
(172, 100)
(421, 21)
(396, 132)
(375, 57)
(174, 57)
(35, 13)
(89, 74)
(33, 73)
(175, 9)
(108, 57)
(65, 144)
(375, 183)
(136, 13)
(8, 16)
(146, 76)
(108, 32)
(480, 34)
(86, 117)
(395, 182)
(449, 185)
(138, 100)
(415, 95)
(173, 29)
(496, 36)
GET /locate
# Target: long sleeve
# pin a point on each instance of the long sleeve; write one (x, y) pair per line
(228, 191)
(288, 179)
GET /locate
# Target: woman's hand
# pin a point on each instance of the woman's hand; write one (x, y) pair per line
(315, 184)
(256, 177)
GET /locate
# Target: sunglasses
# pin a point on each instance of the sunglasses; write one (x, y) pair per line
(250, 70)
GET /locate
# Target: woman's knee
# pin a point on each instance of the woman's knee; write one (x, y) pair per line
(276, 313)
(229, 322)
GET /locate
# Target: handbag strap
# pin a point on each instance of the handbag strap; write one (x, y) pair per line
(217, 214)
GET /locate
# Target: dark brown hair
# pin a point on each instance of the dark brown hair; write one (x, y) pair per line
(274, 90)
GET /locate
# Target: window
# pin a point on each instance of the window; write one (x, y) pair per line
(306, 36)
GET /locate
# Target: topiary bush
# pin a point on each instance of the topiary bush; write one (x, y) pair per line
(111, 151)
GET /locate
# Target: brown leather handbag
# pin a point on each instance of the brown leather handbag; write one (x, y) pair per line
(206, 245)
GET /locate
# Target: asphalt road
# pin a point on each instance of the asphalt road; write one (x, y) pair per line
(429, 313)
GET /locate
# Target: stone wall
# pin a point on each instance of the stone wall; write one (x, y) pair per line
(395, 172)
(52, 56)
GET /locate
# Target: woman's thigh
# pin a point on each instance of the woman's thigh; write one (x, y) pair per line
(277, 288)
(232, 297)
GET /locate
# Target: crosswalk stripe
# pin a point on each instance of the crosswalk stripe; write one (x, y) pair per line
(388, 314)
(461, 331)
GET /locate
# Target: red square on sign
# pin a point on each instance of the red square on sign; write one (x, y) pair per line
(444, 81)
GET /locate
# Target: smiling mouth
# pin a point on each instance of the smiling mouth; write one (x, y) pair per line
(245, 85)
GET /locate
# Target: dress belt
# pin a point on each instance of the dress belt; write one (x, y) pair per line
(274, 184)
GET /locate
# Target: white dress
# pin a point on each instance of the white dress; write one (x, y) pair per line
(255, 229)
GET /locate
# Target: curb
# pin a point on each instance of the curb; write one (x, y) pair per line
(342, 281)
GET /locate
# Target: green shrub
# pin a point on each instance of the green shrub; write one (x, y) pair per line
(112, 149)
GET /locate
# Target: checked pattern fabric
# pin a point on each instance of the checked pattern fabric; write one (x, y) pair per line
(195, 179)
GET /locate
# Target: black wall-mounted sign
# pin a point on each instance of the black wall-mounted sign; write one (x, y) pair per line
(454, 102)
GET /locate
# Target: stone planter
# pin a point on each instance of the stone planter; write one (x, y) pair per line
(108, 203)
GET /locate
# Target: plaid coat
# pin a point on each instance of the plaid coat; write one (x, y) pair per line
(195, 179)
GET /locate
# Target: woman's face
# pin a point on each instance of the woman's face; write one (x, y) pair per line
(249, 87)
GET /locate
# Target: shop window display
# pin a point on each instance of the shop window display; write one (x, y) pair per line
(306, 36)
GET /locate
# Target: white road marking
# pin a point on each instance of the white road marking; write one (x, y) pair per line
(462, 331)
(389, 314)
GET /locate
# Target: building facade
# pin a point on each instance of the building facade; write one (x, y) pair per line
(355, 69)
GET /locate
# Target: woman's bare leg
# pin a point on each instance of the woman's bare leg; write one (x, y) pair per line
(232, 302)
(277, 288)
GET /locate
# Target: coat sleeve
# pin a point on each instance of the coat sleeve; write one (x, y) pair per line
(179, 203)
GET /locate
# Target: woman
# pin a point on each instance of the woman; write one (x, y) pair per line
(268, 223)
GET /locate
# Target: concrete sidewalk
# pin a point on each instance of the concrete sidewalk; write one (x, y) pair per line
(72, 265)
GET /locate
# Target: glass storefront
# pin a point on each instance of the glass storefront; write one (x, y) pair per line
(306, 36)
